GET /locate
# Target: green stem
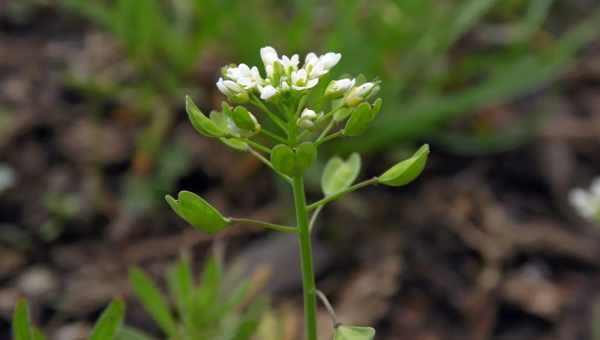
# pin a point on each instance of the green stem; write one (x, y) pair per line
(268, 163)
(258, 146)
(330, 137)
(335, 196)
(266, 225)
(308, 276)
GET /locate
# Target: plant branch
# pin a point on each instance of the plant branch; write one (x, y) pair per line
(280, 123)
(273, 135)
(329, 308)
(268, 163)
(335, 196)
(266, 225)
(258, 146)
(330, 137)
(313, 218)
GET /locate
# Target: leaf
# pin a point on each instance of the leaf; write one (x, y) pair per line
(153, 301)
(354, 333)
(109, 322)
(359, 120)
(339, 175)
(200, 122)
(283, 159)
(180, 282)
(407, 170)
(306, 154)
(21, 324)
(197, 212)
(130, 333)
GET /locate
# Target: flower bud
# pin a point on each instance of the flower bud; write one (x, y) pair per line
(232, 90)
(267, 92)
(338, 88)
(360, 93)
(307, 119)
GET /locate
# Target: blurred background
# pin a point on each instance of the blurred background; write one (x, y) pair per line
(485, 245)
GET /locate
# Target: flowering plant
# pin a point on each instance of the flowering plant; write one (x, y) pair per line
(347, 107)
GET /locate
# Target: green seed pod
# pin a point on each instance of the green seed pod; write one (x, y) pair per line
(359, 120)
(407, 170)
(306, 154)
(197, 212)
(339, 174)
(343, 332)
(283, 159)
(235, 143)
(244, 120)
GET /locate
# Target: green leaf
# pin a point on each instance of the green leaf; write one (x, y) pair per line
(359, 120)
(153, 301)
(197, 212)
(283, 159)
(130, 333)
(201, 123)
(354, 333)
(407, 170)
(109, 322)
(306, 154)
(37, 334)
(21, 324)
(180, 282)
(339, 175)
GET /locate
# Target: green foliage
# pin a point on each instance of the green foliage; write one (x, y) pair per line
(197, 212)
(204, 310)
(110, 321)
(106, 327)
(344, 332)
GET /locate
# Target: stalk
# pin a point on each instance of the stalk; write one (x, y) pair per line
(306, 261)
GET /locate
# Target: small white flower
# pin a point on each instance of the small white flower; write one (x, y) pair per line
(267, 92)
(308, 114)
(587, 203)
(337, 88)
(290, 64)
(244, 76)
(301, 82)
(268, 55)
(329, 60)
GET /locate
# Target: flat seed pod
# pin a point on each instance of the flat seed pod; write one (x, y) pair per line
(359, 120)
(339, 174)
(235, 143)
(197, 212)
(283, 159)
(341, 114)
(407, 170)
(200, 122)
(306, 154)
(343, 332)
(244, 120)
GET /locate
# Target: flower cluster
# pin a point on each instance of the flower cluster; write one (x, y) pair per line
(587, 202)
(282, 92)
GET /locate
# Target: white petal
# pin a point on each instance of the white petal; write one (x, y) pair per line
(268, 55)
(330, 59)
(267, 92)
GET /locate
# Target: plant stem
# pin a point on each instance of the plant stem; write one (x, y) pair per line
(267, 225)
(308, 276)
(335, 196)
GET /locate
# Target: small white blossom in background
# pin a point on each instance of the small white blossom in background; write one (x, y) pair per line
(7, 178)
(587, 202)
(360, 93)
(339, 88)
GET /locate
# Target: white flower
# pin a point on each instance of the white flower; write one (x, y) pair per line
(244, 76)
(337, 88)
(300, 80)
(268, 55)
(587, 203)
(319, 66)
(308, 114)
(290, 64)
(267, 92)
